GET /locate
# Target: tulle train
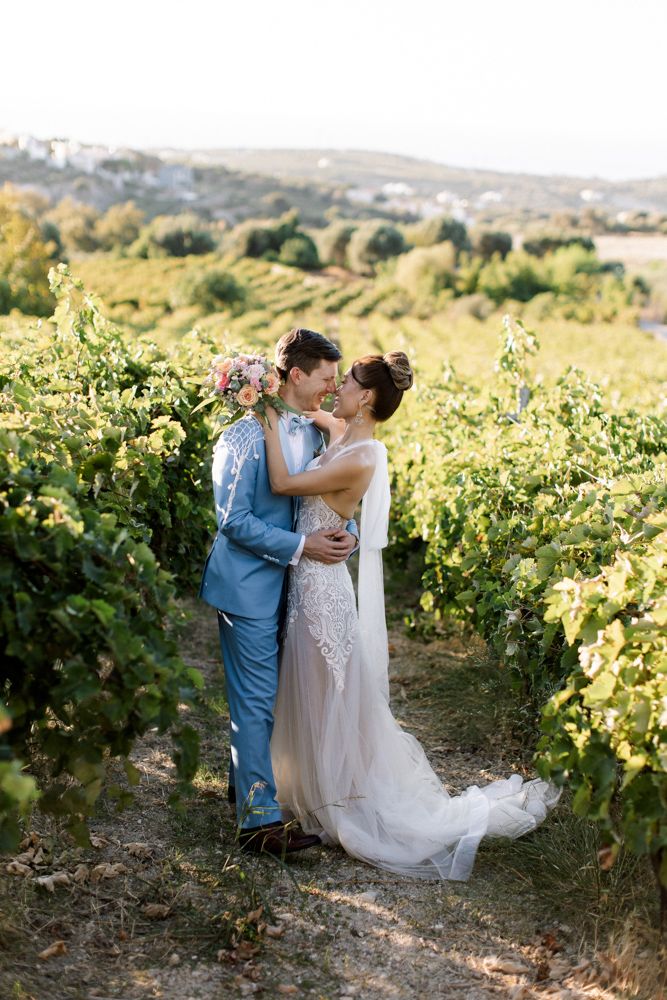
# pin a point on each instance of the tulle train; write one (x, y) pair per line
(346, 770)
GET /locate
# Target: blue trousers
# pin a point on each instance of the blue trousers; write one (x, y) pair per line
(250, 655)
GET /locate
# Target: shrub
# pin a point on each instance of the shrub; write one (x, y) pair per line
(545, 522)
(250, 240)
(119, 226)
(260, 239)
(333, 242)
(24, 262)
(299, 251)
(605, 731)
(174, 236)
(103, 475)
(439, 229)
(487, 243)
(76, 222)
(518, 277)
(211, 291)
(540, 244)
(373, 242)
(426, 271)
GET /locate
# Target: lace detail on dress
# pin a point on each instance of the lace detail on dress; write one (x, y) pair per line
(324, 594)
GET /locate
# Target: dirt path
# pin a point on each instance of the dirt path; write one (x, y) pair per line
(186, 916)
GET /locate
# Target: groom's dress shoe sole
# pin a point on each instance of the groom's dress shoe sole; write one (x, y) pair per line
(277, 839)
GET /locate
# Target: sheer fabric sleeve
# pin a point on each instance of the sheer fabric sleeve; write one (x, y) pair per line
(370, 590)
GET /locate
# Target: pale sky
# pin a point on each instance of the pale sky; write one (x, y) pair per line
(574, 86)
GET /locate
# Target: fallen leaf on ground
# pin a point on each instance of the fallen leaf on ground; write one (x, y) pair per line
(245, 950)
(542, 972)
(106, 870)
(97, 840)
(156, 911)
(82, 873)
(254, 915)
(18, 868)
(138, 850)
(508, 966)
(31, 839)
(49, 882)
(288, 989)
(274, 930)
(57, 948)
(606, 857)
(26, 858)
(559, 968)
(550, 941)
(521, 992)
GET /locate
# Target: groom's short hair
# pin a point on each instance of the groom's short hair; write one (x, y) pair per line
(304, 349)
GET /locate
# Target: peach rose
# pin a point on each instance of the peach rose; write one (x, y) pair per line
(247, 396)
(224, 366)
(272, 383)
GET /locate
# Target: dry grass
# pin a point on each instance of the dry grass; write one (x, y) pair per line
(191, 917)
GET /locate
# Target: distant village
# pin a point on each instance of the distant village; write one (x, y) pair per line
(124, 168)
(119, 166)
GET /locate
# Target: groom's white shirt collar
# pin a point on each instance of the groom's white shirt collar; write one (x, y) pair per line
(294, 450)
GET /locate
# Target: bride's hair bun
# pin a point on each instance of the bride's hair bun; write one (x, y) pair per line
(399, 369)
(388, 375)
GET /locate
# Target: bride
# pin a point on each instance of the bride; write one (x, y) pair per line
(343, 766)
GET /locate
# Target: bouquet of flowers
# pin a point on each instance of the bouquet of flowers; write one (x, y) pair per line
(236, 385)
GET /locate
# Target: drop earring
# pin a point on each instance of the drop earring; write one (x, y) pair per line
(359, 418)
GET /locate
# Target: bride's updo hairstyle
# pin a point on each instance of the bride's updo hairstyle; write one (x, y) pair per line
(389, 375)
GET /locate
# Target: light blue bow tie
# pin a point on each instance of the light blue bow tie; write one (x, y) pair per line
(295, 422)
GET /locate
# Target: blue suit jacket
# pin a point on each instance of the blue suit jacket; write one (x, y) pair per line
(256, 540)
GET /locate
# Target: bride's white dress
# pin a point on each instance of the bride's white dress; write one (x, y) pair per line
(343, 765)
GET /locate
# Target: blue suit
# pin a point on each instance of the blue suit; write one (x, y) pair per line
(243, 578)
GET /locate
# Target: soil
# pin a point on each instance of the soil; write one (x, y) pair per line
(188, 916)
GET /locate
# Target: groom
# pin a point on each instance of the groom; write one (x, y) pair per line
(244, 578)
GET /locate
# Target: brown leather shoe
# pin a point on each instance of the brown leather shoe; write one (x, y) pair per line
(278, 839)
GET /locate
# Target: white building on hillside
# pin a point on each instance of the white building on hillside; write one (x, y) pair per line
(35, 148)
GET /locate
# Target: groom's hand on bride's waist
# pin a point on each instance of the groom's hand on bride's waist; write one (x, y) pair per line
(329, 546)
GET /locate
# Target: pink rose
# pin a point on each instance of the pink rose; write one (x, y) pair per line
(222, 383)
(272, 383)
